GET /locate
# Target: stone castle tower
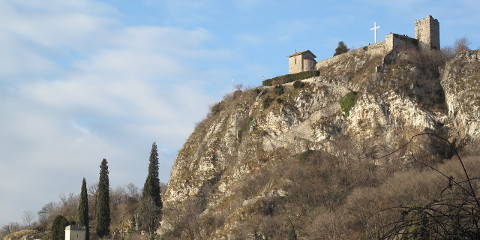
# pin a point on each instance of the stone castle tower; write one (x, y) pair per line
(427, 31)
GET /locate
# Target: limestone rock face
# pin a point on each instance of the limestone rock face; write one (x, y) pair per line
(248, 129)
(460, 82)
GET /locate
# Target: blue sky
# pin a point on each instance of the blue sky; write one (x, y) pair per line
(83, 80)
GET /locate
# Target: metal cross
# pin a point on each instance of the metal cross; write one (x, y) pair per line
(374, 29)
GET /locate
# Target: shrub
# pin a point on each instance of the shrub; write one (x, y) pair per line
(58, 227)
(279, 90)
(214, 109)
(341, 48)
(266, 102)
(461, 45)
(298, 84)
(290, 78)
(347, 102)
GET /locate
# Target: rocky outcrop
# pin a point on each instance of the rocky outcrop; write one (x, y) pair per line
(460, 82)
(249, 129)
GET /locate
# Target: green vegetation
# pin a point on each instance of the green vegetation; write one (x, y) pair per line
(279, 90)
(83, 209)
(216, 108)
(103, 202)
(290, 78)
(149, 210)
(298, 84)
(267, 102)
(151, 188)
(149, 216)
(341, 48)
(347, 102)
(58, 227)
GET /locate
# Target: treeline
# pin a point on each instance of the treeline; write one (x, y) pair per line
(102, 211)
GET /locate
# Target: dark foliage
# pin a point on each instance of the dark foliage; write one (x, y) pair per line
(148, 216)
(149, 210)
(83, 209)
(341, 48)
(58, 227)
(267, 102)
(103, 202)
(298, 84)
(279, 90)
(151, 188)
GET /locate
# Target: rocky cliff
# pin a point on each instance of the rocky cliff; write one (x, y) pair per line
(359, 115)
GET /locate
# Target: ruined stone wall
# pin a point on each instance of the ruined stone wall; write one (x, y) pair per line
(401, 42)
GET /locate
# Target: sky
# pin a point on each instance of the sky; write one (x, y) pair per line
(82, 80)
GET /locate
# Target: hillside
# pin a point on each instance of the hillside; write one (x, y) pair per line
(315, 159)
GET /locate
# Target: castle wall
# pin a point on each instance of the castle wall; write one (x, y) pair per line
(402, 42)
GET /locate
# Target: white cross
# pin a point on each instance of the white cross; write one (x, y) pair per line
(374, 29)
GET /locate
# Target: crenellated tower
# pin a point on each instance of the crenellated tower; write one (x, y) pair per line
(427, 31)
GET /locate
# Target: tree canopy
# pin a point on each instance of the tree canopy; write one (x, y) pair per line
(341, 48)
(58, 227)
(103, 202)
(151, 187)
(83, 209)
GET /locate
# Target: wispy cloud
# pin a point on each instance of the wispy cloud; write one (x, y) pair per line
(82, 86)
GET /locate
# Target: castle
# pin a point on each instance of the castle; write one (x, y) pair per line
(427, 36)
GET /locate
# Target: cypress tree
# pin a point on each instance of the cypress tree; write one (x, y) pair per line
(151, 188)
(103, 202)
(58, 227)
(341, 48)
(83, 209)
(150, 207)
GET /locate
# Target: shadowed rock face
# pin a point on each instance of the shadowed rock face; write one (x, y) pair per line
(250, 129)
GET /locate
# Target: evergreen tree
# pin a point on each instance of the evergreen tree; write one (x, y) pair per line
(151, 187)
(103, 202)
(58, 227)
(341, 48)
(149, 211)
(83, 209)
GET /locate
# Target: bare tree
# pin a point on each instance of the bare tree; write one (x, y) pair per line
(455, 214)
(461, 45)
(28, 218)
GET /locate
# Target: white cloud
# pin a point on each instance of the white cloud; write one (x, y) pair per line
(83, 86)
